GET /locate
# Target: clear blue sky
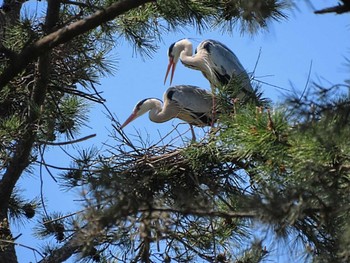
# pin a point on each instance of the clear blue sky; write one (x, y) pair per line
(287, 50)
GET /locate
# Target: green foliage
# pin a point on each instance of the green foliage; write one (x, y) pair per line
(261, 165)
(55, 225)
(255, 14)
(79, 172)
(144, 198)
(9, 128)
(20, 35)
(299, 170)
(73, 114)
(21, 210)
(274, 165)
(256, 253)
(144, 26)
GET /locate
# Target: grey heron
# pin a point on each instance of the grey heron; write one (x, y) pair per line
(188, 103)
(216, 61)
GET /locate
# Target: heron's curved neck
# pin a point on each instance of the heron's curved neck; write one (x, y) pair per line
(186, 55)
(186, 49)
(157, 113)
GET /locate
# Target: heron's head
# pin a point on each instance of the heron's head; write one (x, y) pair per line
(141, 108)
(174, 52)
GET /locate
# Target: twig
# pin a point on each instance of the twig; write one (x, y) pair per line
(82, 94)
(63, 217)
(42, 185)
(307, 81)
(271, 85)
(257, 61)
(21, 245)
(169, 133)
(208, 258)
(66, 168)
(44, 163)
(338, 9)
(211, 213)
(116, 124)
(81, 4)
(68, 142)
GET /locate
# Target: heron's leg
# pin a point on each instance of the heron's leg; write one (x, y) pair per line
(213, 111)
(213, 106)
(193, 135)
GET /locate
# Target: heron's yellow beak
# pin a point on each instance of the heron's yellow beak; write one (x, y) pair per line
(171, 66)
(128, 120)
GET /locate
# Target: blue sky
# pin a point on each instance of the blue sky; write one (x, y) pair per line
(287, 50)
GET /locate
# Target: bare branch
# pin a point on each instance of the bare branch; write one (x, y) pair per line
(83, 5)
(69, 142)
(63, 253)
(210, 213)
(339, 9)
(82, 94)
(21, 245)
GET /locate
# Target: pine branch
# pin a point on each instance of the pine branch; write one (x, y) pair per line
(22, 245)
(64, 35)
(198, 212)
(63, 253)
(20, 160)
(339, 9)
(68, 142)
(93, 97)
(82, 5)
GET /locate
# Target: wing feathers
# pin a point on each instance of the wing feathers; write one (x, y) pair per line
(194, 104)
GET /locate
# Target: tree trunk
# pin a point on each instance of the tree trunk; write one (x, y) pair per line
(9, 16)
(7, 247)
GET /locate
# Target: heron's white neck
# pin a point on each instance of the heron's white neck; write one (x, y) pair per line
(183, 49)
(157, 113)
(197, 61)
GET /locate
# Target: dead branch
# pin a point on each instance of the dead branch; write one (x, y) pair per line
(338, 9)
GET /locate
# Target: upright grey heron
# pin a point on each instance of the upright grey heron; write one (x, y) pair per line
(216, 61)
(188, 103)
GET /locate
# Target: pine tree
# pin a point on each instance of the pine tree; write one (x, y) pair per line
(275, 165)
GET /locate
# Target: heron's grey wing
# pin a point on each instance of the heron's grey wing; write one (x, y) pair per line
(225, 63)
(193, 98)
(194, 104)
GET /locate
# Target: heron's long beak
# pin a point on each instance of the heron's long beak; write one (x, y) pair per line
(128, 120)
(171, 66)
